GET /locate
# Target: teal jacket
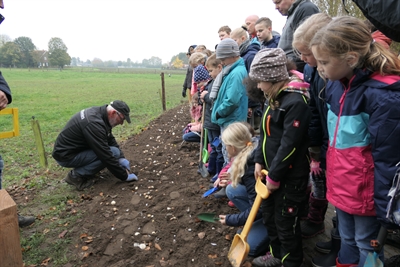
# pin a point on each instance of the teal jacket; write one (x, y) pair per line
(231, 103)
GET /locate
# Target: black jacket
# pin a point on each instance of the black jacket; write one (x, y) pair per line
(318, 131)
(89, 129)
(283, 146)
(5, 88)
(187, 84)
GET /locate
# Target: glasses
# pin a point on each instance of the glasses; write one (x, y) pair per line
(119, 115)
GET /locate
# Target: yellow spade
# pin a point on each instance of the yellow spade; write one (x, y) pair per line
(240, 248)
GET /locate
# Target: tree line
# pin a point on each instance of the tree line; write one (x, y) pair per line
(22, 53)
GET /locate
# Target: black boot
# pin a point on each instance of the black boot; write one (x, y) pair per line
(325, 247)
(328, 260)
(24, 221)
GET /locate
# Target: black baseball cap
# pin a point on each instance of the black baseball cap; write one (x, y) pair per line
(121, 107)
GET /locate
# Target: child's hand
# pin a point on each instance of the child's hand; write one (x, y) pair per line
(223, 182)
(249, 112)
(224, 176)
(216, 183)
(271, 187)
(222, 219)
(203, 94)
(257, 171)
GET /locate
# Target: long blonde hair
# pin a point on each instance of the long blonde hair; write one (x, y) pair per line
(348, 34)
(238, 135)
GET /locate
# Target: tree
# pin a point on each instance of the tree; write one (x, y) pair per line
(97, 62)
(182, 56)
(10, 54)
(336, 8)
(59, 58)
(26, 47)
(177, 63)
(58, 55)
(4, 38)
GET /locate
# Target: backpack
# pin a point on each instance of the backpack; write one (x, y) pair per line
(383, 14)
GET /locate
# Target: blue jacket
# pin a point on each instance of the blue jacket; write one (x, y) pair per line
(249, 54)
(318, 130)
(231, 103)
(364, 142)
(273, 43)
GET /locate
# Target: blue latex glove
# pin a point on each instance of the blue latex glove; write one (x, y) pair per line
(124, 163)
(131, 177)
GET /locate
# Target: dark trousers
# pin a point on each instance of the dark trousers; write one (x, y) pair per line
(216, 159)
(281, 217)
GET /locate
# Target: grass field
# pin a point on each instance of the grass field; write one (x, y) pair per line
(53, 96)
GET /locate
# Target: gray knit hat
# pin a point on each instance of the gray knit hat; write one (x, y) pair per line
(269, 65)
(227, 48)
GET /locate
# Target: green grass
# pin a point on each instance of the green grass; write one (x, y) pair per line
(52, 97)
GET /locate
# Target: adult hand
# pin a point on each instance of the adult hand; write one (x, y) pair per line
(184, 92)
(124, 163)
(131, 177)
(222, 219)
(3, 100)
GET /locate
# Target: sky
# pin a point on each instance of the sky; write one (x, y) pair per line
(135, 29)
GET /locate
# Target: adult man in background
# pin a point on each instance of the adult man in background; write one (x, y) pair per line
(87, 145)
(250, 22)
(296, 11)
(5, 99)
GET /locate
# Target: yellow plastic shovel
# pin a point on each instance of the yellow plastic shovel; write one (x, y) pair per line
(240, 248)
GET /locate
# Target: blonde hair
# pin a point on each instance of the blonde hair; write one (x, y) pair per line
(347, 34)
(306, 31)
(197, 58)
(239, 32)
(238, 135)
(200, 48)
(212, 61)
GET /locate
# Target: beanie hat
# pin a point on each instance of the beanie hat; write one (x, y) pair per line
(269, 65)
(227, 48)
(192, 46)
(200, 74)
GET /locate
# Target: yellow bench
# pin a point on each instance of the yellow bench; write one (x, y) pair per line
(15, 131)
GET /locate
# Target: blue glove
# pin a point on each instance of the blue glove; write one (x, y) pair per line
(124, 163)
(131, 177)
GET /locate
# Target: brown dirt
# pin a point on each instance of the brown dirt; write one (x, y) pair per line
(159, 210)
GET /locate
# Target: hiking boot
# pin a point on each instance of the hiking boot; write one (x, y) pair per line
(267, 261)
(80, 182)
(24, 221)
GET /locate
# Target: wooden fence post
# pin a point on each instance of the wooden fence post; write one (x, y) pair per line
(10, 252)
(39, 142)
(163, 92)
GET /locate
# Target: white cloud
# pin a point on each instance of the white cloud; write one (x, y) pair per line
(135, 29)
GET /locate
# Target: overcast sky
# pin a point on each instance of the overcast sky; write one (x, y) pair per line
(135, 29)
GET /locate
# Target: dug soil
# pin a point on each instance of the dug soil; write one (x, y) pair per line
(153, 221)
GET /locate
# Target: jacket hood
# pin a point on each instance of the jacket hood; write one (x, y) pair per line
(374, 79)
(299, 87)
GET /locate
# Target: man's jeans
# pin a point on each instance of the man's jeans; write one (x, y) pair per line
(356, 232)
(87, 163)
(258, 235)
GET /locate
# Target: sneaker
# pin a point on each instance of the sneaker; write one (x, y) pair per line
(310, 229)
(267, 261)
(78, 181)
(230, 204)
(24, 221)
